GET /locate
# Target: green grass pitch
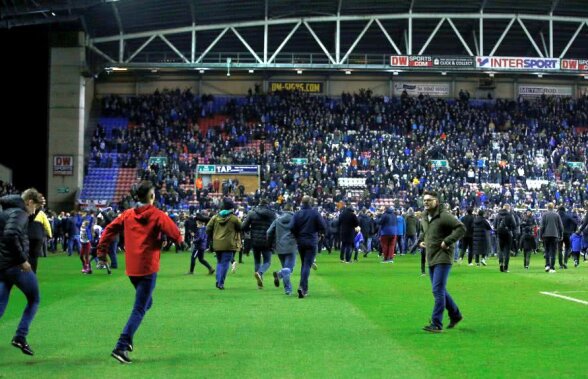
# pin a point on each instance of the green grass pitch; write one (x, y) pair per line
(360, 320)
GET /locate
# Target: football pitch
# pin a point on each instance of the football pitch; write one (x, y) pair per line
(359, 320)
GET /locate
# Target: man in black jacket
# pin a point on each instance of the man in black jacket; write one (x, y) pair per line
(15, 270)
(564, 248)
(467, 242)
(505, 225)
(258, 221)
(347, 223)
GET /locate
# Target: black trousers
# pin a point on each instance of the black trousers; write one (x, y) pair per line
(504, 243)
(198, 254)
(35, 251)
(550, 244)
(467, 243)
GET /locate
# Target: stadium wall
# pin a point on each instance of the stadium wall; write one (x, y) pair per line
(5, 174)
(333, 84)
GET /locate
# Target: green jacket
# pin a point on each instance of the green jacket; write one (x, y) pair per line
(224, 231)
(442, 227)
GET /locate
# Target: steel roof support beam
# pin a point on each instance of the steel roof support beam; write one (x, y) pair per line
(318, 40)
(338, 32)
(388, 37)
(397, 16)
(476, 43)
(565, 50)
(221, 34)
(551, 36)
(121, 42)
(502, 36)
(265, 33)
(359, 37)
(144, 45)
(530, 38)
(193, 43)
(284, 42)
(171, 45)
(431, 36)
(247, 45)
(101, 53)
(544, 45)
(463, 42)
(481, 27)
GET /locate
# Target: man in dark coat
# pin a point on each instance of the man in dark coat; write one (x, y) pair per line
(258, 221)
(306, 224)
(15, 270)
(564, 246)
(551, 233)
(348, 221)
(481, 237)
(467, 242)
(440, 233)
(505, 225)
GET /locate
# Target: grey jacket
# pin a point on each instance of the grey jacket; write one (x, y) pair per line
(551, 225)
(281, 234)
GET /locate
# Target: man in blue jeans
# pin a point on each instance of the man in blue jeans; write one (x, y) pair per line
(306, 224)
(142, 227)
(15, 269)
(440, 233)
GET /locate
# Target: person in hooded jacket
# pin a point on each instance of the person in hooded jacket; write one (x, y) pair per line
(347, 223)
(224, 232)
(481, 237)
(286, 248)
(15, 269)
(258, 222)
(143, 227)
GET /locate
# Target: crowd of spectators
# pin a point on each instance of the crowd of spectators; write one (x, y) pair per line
(7, 188)
(492, 147)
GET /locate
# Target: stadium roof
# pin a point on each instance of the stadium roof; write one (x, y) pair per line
(162, 31)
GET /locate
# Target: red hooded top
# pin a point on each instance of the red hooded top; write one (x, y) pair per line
(142, 228)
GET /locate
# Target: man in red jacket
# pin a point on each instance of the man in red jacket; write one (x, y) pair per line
(142, 227)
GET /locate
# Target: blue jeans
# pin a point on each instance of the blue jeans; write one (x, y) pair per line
(144, 286)
(112, 254)
(27, 283)
(307, 255)
(439, 274)
(223, 259)
(258, 255)
(288, 262)
(70, 244)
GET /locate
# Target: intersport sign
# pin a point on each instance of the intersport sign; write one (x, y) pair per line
(517, 63)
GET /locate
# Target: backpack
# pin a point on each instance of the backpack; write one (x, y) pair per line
(502, 229)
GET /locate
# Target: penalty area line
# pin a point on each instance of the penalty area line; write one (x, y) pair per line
(565, 297)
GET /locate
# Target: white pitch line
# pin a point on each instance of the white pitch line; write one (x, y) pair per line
(565, 297)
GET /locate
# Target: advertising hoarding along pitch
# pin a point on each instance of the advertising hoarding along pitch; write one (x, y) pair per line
(517, 63)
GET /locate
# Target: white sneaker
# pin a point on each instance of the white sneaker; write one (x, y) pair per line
(552, 271)
(470, 264)
(234, 267)
(484, 262)
(314, 266)
(546, 268)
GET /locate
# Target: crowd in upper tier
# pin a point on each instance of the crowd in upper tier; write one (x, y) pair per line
(491, 147)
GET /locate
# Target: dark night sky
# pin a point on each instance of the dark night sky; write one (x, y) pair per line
(24, 69)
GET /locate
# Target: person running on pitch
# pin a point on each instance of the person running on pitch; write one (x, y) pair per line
(142, 227)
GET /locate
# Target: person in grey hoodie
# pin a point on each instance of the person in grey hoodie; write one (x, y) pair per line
(286, 247)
